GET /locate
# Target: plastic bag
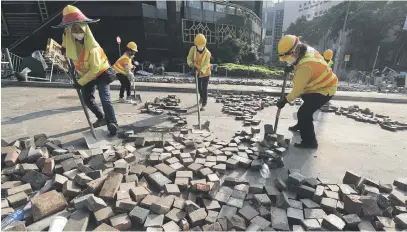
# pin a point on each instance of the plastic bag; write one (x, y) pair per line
(265, 171)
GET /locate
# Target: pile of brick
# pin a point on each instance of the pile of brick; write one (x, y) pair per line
(116, 188)
(170, 104)
(213, 81)
(366, 116)
(245, 107)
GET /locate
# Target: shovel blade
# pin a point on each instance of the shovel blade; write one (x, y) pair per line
(137, 98)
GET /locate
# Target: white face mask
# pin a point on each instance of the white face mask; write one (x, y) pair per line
(78, 36)
(291, 60)
(201, 49)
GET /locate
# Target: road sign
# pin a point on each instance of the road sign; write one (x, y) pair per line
(347, 58)
(118, 40)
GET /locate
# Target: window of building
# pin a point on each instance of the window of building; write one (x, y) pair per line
(194, 4)
(208, 6)
(230, 10)
(269, 32)
(220, 8)
(162, 5)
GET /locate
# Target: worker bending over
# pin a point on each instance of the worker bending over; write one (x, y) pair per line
(199, 59)
(125, 71)
(328, 55)
(91, 65)
(313, 80)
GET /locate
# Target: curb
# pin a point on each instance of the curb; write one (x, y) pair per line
(152, 88)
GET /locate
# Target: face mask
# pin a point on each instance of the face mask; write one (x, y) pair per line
(131, 54)
(201, 49)
(78, 36)
(291, 60)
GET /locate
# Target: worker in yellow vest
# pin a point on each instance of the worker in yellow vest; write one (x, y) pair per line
(313, 80)
(199, 59)
(328, 55)
(125, 71)
(91, 65)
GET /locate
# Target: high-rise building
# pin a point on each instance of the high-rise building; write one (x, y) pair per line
(273, 24)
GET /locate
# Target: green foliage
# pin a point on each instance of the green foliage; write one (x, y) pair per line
(252, 68)
(234, 50)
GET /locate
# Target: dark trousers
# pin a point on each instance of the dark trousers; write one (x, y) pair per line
(203, 88)
(312, 102)
(103, 87)
(125, 85)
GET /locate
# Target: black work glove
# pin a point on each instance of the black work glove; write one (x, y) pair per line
(76, 85)
(281, 103)
(288, 69)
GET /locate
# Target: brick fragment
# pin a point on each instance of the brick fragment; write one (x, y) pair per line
(47, 204)
(17, 200)
(162, 206)
(121, 222)
(103, 215)
(78, 221)
(154, 220)
(111, 185)
(279, 219)
(105, 227)
(35, 179)
(333, 222)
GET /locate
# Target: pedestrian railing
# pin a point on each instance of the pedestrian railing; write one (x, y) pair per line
(10, 63)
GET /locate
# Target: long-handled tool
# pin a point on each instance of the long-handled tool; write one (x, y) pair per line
(197, 100)
(281, 97)
(72, 74)
(135, 97)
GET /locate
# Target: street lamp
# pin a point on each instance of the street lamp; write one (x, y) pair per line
(340, 40)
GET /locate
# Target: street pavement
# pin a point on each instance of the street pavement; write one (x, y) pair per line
(344, 143)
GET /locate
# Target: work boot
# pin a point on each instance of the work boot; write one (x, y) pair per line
(99, 123)
(112, 127)
(311, 145)
(295, 128)
(200, 101)
(203, 106)
(129, 100)
(122, 100)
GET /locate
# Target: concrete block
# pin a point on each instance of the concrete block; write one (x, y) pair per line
(103, 215)
(171, 226)
(352, 204)
(261, 222)
(95, 203)
(185, 174)
(177, 166)
(397, 198)
(17, 199)
(111, 185)
(121, 166)
(21, 188)
(248, 213)
(279, 220)
(227, 211)
(172, 189)
(332, 195)
(318, 194)
(24, 168)
(351, 178)
(138, 193)
(35, 179)
(121, 222)
(329, 204)
(48, 168)
(96, 185)
(295, 216)
(311, 224)
(70, 189)
(238, 203)
(12, 158)
(220, 168)
(78, 221)
(309, 203)
(69, 164)
(369, 206)
(236, 222)
(333, 222)
(166, 170)
(401, 221)
(351, 220)
(175, 215)
(283, 201)
(295, 204)
(314, 214)
(126, 205)
(159, 180)
(179, 203)
(154, 220)
(272, 192)
(47, 204)
(211, 217)
(82, 179)
(304, 191)
(401, 183)
(137, 169)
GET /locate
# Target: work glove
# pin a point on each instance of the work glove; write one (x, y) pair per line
(288, 69)
(76, 85)
(281, 103)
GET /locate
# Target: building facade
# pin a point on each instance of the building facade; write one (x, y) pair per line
(163, 30)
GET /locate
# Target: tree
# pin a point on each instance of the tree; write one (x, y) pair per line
(234, 50)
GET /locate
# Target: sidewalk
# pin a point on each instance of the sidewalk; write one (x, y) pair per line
(237, 89)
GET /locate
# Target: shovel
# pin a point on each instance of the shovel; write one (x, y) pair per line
(281, 97)
(135, 97)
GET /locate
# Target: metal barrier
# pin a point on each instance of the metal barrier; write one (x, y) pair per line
(10, 63)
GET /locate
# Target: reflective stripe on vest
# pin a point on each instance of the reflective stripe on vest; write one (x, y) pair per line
(198, 59)
(119, 65)
(82, 65)
(316, 62)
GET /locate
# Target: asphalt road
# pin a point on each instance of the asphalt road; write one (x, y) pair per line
(344, 143)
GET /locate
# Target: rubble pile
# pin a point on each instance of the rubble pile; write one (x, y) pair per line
(170, 104)
(244, 107)
(366, 116)
(116, 189)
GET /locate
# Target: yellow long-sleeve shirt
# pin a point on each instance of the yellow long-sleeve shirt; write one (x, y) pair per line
(204, 65)
(302, 75)
(95, 64)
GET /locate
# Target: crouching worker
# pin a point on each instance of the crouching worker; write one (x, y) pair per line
(199, 59)
(313, 80)
(125, 70)
(91, 65)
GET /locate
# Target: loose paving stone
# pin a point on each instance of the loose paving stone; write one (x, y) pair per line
(295, 216)
(332, 195)
(211, 205)
(351, 220)
(179, 203)
(159, 180)
(82, 179)
(333, 222)
(6, 212)
(47, 204)
(298, 228)
(71, 174)
(190, 206)
(220, 168)
(185, 174)
(78, 221)
(304, 191)
(261, 222)
(264, 212)
(399, 210)
(36, 179)
(256, 188)
(172, 189)
(205, 171)
(121, 166)
(238, 203)
(383, 201)
(154, 220)
(177, 166)
(248, 213)
(162, 206)
(397, 198)
(137, 169)
(296, 179)
(309, 203)
(365, 225)
(166, 170)
(212, 227)
(95, 203)
(295, 204)
(401, 183)
(280, 184)
(175, 215)
(171, 226)
(366, 190)
(232, 164)
(197, 217)
(95, 185)
(352, 204)
(183, 183)
(148, 171)
(138, 193)
(19, 188)
(121, 222)
(200, 161)
(227, 211)
(126, 205)
(211, 217)
(385, 188)
(279, 220)
(70, 189)
(80, 201)
(105, 227)
(262, 199)
(17, 199)
(311, 224)
(238, 194)
(138, 215)
(111, 185)
(272, 192)
(401, 221)
(236, 222)
(212, 177)
(385, 222)
(148, 200)
(314, 213)
(369, 206)
(351, 178)
(254, 227)
(312, 182)
(4, 203)
(283, 201)
(329, 204)
(195, 167)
